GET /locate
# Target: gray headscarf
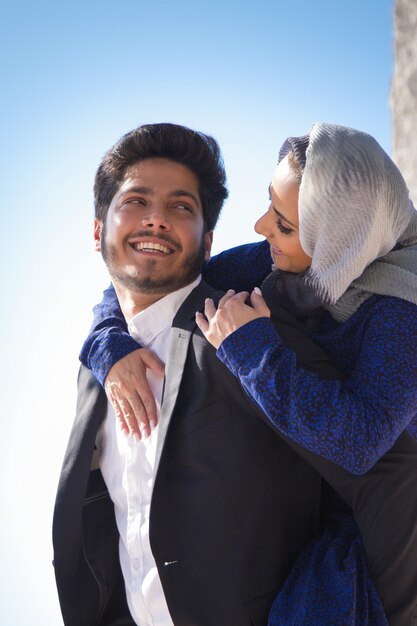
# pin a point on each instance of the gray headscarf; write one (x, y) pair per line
(356, 220)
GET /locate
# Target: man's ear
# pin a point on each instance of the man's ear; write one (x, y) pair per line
(98, 227)
(208, 242)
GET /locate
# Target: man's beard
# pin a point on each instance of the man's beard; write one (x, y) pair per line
(143, 280)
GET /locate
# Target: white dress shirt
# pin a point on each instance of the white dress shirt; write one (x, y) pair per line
(128, 471)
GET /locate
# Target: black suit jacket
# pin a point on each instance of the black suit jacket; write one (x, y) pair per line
(233, 505)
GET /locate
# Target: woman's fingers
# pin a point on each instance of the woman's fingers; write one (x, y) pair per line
(133, 418)
(231, 298)
(128, 390)
(241, 297)
(119, 416)
(258, 303)
(136, 416)
(129, 410)
(202, 323)
(229, 294)
(143, 392)
(209, 308)
(231, 313)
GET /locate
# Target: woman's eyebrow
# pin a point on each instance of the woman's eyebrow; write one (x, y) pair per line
(281, 215)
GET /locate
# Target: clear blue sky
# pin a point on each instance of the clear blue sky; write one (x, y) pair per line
(77, 75)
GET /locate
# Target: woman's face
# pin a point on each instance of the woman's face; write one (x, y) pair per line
(280, 223)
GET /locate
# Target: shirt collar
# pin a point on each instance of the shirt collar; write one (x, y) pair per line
(149, 323)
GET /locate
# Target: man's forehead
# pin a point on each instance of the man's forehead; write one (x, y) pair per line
(151, 176)
(160, 170)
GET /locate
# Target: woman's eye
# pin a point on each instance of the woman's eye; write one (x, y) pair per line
(283, 229)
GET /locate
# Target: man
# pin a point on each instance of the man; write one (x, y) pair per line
(200, 523)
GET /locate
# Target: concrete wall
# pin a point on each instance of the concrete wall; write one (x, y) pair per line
(404, 92)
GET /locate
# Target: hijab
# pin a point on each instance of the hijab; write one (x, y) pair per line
(356, 221)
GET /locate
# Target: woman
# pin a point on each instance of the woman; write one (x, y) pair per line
(342, 234)
(326, 235)
(335, 208)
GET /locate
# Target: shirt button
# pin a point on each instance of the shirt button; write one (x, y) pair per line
(147, 334)
(136, 564)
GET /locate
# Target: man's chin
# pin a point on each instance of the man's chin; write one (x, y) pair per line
(150, 278)
(151, 284)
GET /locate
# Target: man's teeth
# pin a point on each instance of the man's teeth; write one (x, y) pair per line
(147, 245)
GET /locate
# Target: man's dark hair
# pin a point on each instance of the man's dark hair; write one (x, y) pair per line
(199, 152)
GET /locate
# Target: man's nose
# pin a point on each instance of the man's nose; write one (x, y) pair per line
(158, 218)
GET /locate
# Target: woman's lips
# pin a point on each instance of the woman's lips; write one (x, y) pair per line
(276, 251)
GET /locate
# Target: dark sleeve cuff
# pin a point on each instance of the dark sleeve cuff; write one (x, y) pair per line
(104, 348)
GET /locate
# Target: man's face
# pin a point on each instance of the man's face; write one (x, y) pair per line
(153, 238)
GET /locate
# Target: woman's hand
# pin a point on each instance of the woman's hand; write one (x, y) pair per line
(128, 390)
(231, 314)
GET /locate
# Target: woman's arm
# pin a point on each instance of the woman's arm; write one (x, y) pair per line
(351, 422)
(108, 340)
(242, 268)
(119, 363)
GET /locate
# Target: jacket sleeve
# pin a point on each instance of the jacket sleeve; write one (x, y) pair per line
(351, 422)
(240, 268)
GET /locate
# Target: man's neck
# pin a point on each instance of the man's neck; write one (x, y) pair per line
(133, 302)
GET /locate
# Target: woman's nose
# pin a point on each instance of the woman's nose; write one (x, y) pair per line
(262, 226)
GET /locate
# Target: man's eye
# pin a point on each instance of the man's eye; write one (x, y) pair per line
(140, 201)
(184, 207)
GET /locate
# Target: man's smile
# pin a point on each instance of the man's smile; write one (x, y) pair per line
(148, 246)
(154, 246)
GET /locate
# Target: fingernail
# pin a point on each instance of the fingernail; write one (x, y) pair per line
(136, 437)
(230, 291)
(152, 424)
(258, 291)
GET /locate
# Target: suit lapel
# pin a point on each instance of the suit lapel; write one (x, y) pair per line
(181, 333)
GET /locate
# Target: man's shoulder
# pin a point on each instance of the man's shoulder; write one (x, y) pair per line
(195, 300)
